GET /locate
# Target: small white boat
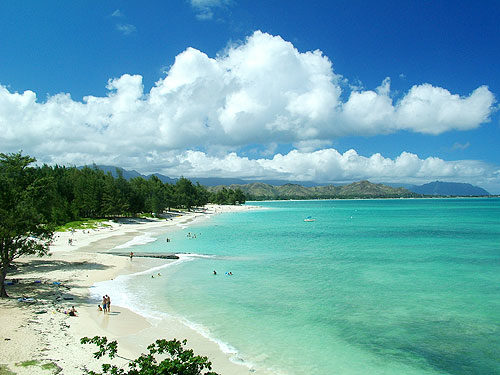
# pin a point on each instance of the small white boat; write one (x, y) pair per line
(309, 218)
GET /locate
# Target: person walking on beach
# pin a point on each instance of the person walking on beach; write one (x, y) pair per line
(131, 255)
(104, 304)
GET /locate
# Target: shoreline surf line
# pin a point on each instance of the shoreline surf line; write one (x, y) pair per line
(215, 349)
(156, 318)
(76, 265)
(142, 239)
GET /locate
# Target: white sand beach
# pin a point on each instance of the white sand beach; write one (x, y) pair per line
(39, 331)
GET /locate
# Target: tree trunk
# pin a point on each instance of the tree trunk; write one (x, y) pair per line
(3, 292)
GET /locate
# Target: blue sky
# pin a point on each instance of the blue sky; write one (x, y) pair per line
(397, 91)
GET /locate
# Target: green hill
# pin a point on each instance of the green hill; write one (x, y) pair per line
(361, 189)
(449, 189)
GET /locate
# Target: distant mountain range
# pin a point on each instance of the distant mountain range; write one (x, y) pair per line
(279, 189)
(361, 189)
(205, 181)
(449, 189)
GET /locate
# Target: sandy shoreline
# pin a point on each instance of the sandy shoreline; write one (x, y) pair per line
(41, 332)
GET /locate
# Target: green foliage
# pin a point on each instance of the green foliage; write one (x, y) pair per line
(35, 200)
(52, 367)
(178, 361)
(25, 198)
(228, 196)
(82, 224)
(72, 194)
(32, 362)
(185, 193)
(4, 370)
(49, 366)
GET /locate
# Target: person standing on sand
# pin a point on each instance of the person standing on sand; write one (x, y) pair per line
(108, 303)
(104, 305)
(131, 255)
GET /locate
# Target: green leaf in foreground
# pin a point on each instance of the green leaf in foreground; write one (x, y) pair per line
(178, 361)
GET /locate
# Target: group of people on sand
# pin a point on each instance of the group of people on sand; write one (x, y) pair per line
(106, 304)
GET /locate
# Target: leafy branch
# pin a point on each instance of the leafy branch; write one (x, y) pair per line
(178, 361)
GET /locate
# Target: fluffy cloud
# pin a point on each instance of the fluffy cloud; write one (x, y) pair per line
(262, 91)
(328, 165)
(434, 110)
(325, 165)
(424, 109)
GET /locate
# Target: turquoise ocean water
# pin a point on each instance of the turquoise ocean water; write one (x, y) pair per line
(370, 287)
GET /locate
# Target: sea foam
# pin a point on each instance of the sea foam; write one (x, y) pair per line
(124, 297)
(143, 239)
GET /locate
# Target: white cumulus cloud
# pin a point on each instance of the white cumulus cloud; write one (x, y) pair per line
(329, 165)
(434, 110)
(262, 91)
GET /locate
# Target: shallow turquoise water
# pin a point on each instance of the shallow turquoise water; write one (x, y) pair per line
(370, 287)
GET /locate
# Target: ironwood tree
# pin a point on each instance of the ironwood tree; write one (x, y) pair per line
(24, 196)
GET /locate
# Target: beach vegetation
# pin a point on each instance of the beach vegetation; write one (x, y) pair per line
(35, 200)
(186, 194)
(177, 360)
(52, 367)
(32, 362)
(82, 224)
(25, 198)
(48, 366)
(79, 195)
(229, 196)
(4, 370)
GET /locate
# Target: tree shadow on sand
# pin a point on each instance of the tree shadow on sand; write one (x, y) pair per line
(55, 289)
(48, 265)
